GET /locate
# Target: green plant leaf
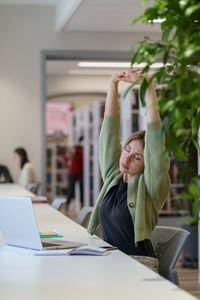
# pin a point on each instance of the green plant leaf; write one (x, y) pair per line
(134, 58)
(182, 196)
(128, 90)
(191, 50)
(194, 187)
(137, 20)
(166, 33)
(150, 14)
(165, 57)
(195, 124)
(190, 10)
(179, 96)
(179, 153)
(182, 131)
(142, 92)
(196, 208)
(189, 220)
(131, 86)
(144, 2)
(168, 106)
(196, 144)
(183, 3)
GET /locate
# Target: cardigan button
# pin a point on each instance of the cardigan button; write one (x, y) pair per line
(131, 204)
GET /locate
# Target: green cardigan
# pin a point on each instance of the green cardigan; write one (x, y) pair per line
(147, 192)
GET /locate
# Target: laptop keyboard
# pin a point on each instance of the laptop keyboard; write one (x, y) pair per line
(49, 244)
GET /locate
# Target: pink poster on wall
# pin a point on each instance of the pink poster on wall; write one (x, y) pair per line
(57, 117)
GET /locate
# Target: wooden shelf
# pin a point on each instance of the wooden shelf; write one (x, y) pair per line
(178, 185)
(62, 185)
(135, 111)
(58, 171)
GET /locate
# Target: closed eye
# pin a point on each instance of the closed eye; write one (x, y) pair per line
(127, 149)
(137, 157)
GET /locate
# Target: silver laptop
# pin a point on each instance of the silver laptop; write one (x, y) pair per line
(19, 227)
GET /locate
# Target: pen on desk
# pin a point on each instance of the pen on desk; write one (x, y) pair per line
(107, 248)
(112, 248)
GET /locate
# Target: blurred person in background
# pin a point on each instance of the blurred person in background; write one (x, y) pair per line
(27, 174)
(74, 159)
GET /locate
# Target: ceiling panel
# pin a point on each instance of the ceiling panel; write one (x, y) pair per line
(109, 16)
(57, 67)
(29, 2)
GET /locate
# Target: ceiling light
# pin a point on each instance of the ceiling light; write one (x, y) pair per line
(158, 20)
(90, 72)
(104, 64)
(98, 64)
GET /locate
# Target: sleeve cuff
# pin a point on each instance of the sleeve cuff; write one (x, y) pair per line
(154, 126)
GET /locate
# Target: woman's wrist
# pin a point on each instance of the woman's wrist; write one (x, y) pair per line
(114, 84)
(114, 81)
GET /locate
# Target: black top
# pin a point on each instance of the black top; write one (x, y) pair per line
(117, 225)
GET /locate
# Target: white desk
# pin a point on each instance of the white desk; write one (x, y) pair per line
(112, 277)
(11, 189)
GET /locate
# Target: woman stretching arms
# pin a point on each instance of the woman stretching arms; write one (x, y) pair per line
(136, 180)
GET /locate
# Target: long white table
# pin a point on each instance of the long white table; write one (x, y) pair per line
(12, 189)
(116, 276)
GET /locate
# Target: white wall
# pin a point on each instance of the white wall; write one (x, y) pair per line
(61, 84)
(76, 83)
(24, 32)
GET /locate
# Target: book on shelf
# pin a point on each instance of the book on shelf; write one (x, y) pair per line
(39, 199)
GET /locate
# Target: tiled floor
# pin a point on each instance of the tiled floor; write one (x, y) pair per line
(189, 280)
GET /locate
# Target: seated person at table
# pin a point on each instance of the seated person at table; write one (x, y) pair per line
(5, 176)
(27, 174)
(136, 180)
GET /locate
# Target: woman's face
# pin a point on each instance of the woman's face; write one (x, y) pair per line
(132, 158)
(17, 159)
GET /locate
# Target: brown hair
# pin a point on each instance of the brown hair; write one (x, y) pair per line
(138, 135)
(23, 155)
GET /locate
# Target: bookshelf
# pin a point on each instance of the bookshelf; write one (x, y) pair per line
(56, 170)
(87, 122)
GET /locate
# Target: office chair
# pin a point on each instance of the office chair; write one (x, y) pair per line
(34, 187)
(5, 176)
(57, 202)
(168, 243)
(84, 216)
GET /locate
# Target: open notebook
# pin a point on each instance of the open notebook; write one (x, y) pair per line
(83, 250)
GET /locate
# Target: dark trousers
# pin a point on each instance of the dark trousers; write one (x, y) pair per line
(71, 187)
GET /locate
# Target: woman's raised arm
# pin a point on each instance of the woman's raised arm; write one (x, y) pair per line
(112, 107)
(152, 114)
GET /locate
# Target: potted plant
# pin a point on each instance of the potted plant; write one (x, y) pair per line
(179, 52)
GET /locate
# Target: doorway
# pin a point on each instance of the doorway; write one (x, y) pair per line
(66, 85)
